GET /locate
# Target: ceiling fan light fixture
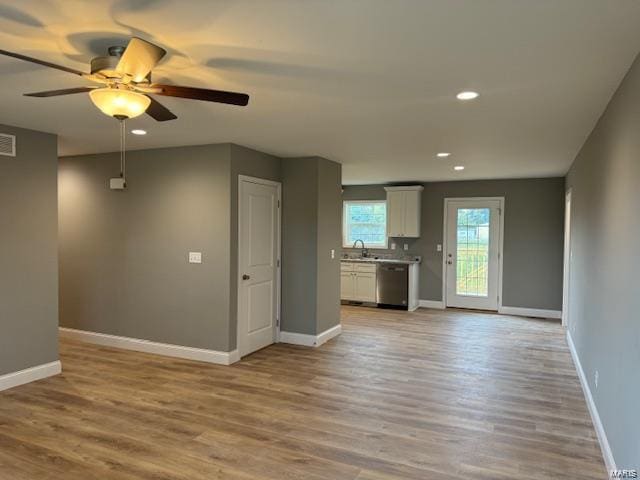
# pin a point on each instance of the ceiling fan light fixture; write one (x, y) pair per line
(119, 103)
(126, 74)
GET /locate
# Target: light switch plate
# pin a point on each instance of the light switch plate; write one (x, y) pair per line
(439, 247)
(195, 257)
(393, 246)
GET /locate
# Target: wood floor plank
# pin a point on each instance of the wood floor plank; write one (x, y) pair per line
(399, 395)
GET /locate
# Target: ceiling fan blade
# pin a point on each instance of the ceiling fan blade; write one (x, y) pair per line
(218, 96)
(159, 112)
(139, 58)
(55, 93)
(41, 62)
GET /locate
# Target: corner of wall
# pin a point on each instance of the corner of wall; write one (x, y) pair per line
(329, 240)
(29, 274)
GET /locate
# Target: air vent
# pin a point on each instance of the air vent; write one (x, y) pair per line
(7, 145)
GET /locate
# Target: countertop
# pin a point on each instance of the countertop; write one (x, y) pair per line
(380, 260)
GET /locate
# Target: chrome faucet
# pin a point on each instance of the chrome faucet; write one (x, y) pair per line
(365, 252)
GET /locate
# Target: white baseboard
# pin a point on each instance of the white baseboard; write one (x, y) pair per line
(607, 454)
(530, 312)
(437, 304)
(327, 335)
(10, 380)
(310, 340)
(147, 346)
(297, 339)
(523, 312)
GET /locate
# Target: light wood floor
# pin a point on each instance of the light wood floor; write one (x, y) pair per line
(424, 395)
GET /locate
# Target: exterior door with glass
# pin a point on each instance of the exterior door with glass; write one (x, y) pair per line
(472, 254)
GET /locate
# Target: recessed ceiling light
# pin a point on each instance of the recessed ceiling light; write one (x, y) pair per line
(458, 167)
(467, 95)
(443, 154)
(138, 131)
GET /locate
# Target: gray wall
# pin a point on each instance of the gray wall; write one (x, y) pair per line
(329, 238)
(533, 236)
(604, 305)
(311, 229)
(28, 252)
(299, 234)
(123, 254)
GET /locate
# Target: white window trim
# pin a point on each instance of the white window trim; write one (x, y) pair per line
(344, 225)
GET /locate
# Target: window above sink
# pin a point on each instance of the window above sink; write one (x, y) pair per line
(365, 220)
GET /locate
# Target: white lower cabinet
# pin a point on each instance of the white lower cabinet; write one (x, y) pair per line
(347, 286)
(365, 287)
(358, 282)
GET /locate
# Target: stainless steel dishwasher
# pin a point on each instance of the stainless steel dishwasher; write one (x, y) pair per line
(392, 289)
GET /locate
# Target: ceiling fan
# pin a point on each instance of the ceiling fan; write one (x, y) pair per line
(126, 78)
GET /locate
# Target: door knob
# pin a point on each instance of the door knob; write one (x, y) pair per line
(449, 262)
(245, 277)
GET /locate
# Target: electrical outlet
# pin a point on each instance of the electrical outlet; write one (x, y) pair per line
(333, 254)
(393, 246)
(596, 377)
(439, 247)
(195, 257)
(406, 246)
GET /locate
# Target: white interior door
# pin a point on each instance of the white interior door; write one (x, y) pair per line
(258, 252)
(472, 256)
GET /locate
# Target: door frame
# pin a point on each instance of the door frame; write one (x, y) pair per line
(448, 200)
(278, 185)
(566, 270)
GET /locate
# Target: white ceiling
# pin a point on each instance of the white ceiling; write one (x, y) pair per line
(368, 83)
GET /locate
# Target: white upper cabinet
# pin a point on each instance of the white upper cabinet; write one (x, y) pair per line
(395, 214)
(412, 211)
(404, 211)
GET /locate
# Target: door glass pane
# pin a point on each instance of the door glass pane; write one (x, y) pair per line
(472, 253)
